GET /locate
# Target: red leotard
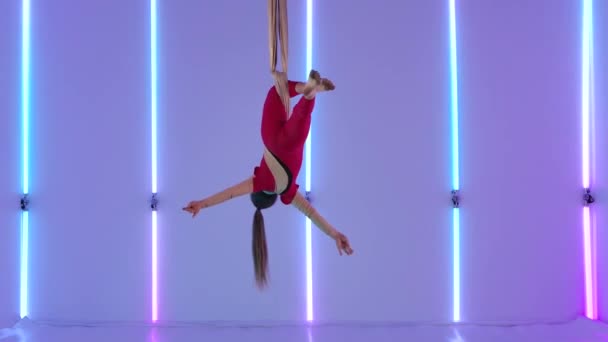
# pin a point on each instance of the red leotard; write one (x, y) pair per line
(284, 141)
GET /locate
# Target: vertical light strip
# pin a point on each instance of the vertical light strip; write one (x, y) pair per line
(585, 88)
(590, 302)
(309, 298)
(25, 108)
(154, 267)
(455, 161)
(24, 310)
(586, 116)
(153, 105)
(153, 90)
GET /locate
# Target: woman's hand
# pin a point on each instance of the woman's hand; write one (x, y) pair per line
(342, 243)
(194, 207)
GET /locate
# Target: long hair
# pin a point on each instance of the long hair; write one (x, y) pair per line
(259, 248)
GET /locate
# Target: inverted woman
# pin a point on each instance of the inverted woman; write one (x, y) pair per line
(284, 138)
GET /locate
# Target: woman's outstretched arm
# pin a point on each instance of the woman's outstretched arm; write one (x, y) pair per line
(243, 188)
(302, 204)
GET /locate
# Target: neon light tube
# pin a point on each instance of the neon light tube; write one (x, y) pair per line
(153, 105)
(153, 95)
(25, 108)
(589, 240)
(24, 263)
(590, 298)
(455, 162)
(456, 265)
(154, 267)
(309, 293)
(585, 88)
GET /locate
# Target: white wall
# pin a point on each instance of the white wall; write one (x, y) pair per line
(522, 214)
(90, 220)
(10, 178)
(381, 168)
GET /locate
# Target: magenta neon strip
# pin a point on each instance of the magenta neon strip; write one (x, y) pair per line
(589, 239)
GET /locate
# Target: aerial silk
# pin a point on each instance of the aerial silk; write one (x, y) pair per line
(278, 32)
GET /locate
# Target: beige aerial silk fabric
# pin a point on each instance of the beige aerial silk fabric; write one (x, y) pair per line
(278, 32)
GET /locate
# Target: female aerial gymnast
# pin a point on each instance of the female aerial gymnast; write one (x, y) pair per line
(284, 140)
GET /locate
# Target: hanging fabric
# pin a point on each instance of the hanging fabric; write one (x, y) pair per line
(278, 32)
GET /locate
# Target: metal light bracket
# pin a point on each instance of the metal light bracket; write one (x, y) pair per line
(587, 197)
(154, 202)
(455, 198)
(25, 202)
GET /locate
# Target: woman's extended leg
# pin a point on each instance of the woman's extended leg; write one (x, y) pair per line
(274, 115)
(296, 130)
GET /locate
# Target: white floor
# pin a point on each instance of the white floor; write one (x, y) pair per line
(580, 330)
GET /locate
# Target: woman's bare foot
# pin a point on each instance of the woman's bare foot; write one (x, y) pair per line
(314, 85)
(311, 87)
(326, 85)
(314, 76)
(322, 84)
